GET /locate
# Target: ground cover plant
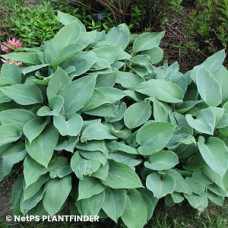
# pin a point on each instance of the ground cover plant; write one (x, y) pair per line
(100, 128)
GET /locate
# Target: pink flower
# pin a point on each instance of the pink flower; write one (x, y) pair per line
(10, 45)
(11, 62)
(15, 43)
(5, 48)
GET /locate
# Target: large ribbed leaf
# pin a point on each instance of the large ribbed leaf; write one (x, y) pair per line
(160, 185)
(57, 191)
(77, 93)
(114, 203)
(135, 214)
(42, 147)
(215, 154)
(137, 114)
(8, 134)
(153, 137)
(23, 94)
(121, 176)
(162, 90)
(208, 88)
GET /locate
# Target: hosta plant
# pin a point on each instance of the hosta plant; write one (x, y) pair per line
(100, 129)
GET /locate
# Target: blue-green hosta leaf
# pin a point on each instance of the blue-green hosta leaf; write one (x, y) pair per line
(119, 35)
(216, 199)
(92, 205)
(214, 62)
(107, 52)
(32, 189)
(67, 144)
(28, 204)
(161, 111)
(94, 155)
(59, 167)
(162, 160)
(195, 186)
(142, 60)
(54, 108)
(219, 113)
(154, 136)
(66, 19)
(77, 93)
(33, 68)
(120, 146)
(57, 192)
(70, 125)
(173, 198)
(150, 201)
(181, 137)
(147, 41)
(104, 95)
(96, 131)
(101, 64)
(93, 146)
(83, 167)
(4, 98)
(208, 88)
(11, 72)
(119, 110)
(114, 203)
(217, 190)
(221, 76)
(24, 57)
(186, 106)
(32, 171)
(9, 133)
(102, 172)
(83, 62)
(128, 80)
(16, 117)
(225, 181)
(198, 202)
(162, 90)
(102, 111)
(58, 80)
(211, 176)
(11, 156)
(89, 187)
(106, 78)
(68, 35)
(160, 185)
(156, 54)
(135, 213)
(87, 38)
(204, 122)
(121, 176)
(181, 183)
(130, 160)
(223, 123)
(137, 114)
(33, 129)
(55, 58)
(42, 147)
(215, 154)
(23, 94)
(17, 193)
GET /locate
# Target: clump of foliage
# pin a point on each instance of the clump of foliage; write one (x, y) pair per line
(208, 25)
(102, 130)
(33, 24)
